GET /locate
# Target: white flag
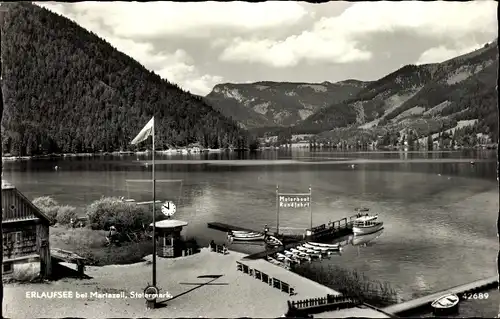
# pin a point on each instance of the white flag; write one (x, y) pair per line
(145, 132)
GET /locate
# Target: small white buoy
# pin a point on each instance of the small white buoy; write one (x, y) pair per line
(352, 165)
(472, 163)
(146, 164)
(439, 174)
(56, 167)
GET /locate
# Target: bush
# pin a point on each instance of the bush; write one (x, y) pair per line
(351, 283)
(65, 214)
(56, 212)
(109, 211)
(45, 201)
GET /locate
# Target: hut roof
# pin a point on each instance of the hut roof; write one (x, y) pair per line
(26, 211)
(170, 223)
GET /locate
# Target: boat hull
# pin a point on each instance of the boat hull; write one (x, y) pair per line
(248, 238)
(365, 230)
(321, 245)
(450, 307)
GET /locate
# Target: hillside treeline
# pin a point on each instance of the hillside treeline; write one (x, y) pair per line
(67, 90)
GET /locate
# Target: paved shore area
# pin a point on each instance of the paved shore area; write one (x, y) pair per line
(233, 294)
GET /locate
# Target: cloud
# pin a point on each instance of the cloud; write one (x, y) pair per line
(334, 39)
(161, 19)
(177, 66)
(442, 53)
(307, 46)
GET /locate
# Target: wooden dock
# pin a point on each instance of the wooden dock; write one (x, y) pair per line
(289, 282)
(69, 257)
(226, 227)
(407, 307)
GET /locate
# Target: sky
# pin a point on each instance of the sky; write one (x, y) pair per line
(199, 45)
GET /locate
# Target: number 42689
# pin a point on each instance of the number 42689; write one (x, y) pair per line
(475, 296)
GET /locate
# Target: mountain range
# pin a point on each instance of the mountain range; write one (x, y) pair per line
(278, 103)
(423, 98)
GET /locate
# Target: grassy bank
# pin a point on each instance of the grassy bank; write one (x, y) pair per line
(350, 282)
(90, 243)
(90, 240)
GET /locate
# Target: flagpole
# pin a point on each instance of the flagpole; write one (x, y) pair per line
(154, 205)
(277, 211)
(310, 206)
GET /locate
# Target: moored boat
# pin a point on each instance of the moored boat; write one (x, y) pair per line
(446, 305)
(273, 241)
(245, 232)
(364, 227)
(297, 256)
(247, 237)
(329, 246)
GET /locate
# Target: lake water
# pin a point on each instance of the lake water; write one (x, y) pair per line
(439, 211)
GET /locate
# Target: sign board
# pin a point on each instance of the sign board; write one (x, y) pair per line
(294, 201)
(168, 208)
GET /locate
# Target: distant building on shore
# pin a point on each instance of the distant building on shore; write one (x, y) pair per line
(26, 249)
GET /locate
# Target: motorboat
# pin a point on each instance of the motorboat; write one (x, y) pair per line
(446, 305)
(362, 213)
(366, 226)
(358, 240)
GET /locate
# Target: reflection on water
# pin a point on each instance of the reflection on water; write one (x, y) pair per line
(438, 215)
(364, 240)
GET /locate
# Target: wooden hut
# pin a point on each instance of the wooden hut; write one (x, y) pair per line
(25, 235)
(168, 237)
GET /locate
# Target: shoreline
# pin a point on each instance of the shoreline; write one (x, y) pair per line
(219, 151)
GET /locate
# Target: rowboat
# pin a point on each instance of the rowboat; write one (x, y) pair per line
(324, 250)
(310, 252)
(289, 258)
(329, 246)
(298, 252)
(446, 305)
(248, 237)
(245, 232)
(273, 241)
(297, 256)
(306, 250)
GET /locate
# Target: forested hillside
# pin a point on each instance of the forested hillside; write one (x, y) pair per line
(66, 90)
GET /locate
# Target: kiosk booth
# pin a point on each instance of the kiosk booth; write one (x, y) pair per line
(168, 238)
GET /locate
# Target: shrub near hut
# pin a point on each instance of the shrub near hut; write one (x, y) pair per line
(61, 214)
(109, 211)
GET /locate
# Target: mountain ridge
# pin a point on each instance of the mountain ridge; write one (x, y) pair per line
(463, 87)
(271, 103)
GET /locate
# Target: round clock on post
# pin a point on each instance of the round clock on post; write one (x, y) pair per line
(168, 209)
